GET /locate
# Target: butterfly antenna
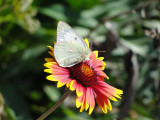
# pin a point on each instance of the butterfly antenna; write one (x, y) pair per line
(102, 51)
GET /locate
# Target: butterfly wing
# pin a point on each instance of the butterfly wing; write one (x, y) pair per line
(66, 33)
(69, 53)
(70, 48)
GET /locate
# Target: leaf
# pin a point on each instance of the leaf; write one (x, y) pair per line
(89, 22)
(152, 23)
(143, 111)
(35, 95)
(10, 113)
(110, 7)
(33, 52)
(82, 4)
(56, 11)
(52, 92)
(15, 100)
(141, 50)
(81, 31)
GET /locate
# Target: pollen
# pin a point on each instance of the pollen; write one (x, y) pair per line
(86, 70)
(84, 74)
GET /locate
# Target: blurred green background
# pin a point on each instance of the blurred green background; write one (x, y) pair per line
(130, 40)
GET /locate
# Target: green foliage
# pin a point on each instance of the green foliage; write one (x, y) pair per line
(27, 27)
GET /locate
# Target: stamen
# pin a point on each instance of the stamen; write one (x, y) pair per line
(86, 70)
(84, 74)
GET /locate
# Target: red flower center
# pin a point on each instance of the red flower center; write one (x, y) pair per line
(84, 74)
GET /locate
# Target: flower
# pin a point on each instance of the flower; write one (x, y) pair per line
(87, 78)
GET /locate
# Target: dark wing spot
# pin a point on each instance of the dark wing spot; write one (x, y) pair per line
(75, 38)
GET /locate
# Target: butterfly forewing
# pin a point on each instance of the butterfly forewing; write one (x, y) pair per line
(66, 33)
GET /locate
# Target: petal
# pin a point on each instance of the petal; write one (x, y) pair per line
(92, 57)
(86, 40)
(73, 85)
(51, 48)
(87, 97)
(108, 104)
(48, 70)
(100, 102)
(67, 85)
(119, 91)
(51, 78)
(101, 58)
(98, 63)
(79, 101)
(96, 53)
(51, 53)
(57, 70)
(49, 60)
(48, 65)
(62, 78)
(108, 90)
(59, 84)
(102, 74)
(83, 105)
(90, 99)
(79, 89)
(105, 93)
(104, 64)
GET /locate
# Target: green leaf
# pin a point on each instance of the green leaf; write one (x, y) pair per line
(52, 92)
(82, 4)
(152, 24)
(56, 11)
(138, 49)
(15, 100)
(141, 110)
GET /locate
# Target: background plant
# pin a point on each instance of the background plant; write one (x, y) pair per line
(125, 29)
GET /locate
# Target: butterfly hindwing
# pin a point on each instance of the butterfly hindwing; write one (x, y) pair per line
(69, 53)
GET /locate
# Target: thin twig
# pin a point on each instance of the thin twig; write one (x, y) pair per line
(102, 21)
(55, 106)
(132, 69)
(157, 87)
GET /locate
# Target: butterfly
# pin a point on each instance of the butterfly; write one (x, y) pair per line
(70, 48)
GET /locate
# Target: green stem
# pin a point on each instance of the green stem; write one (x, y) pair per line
(55, 106)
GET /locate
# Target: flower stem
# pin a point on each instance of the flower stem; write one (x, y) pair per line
(55, 106)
